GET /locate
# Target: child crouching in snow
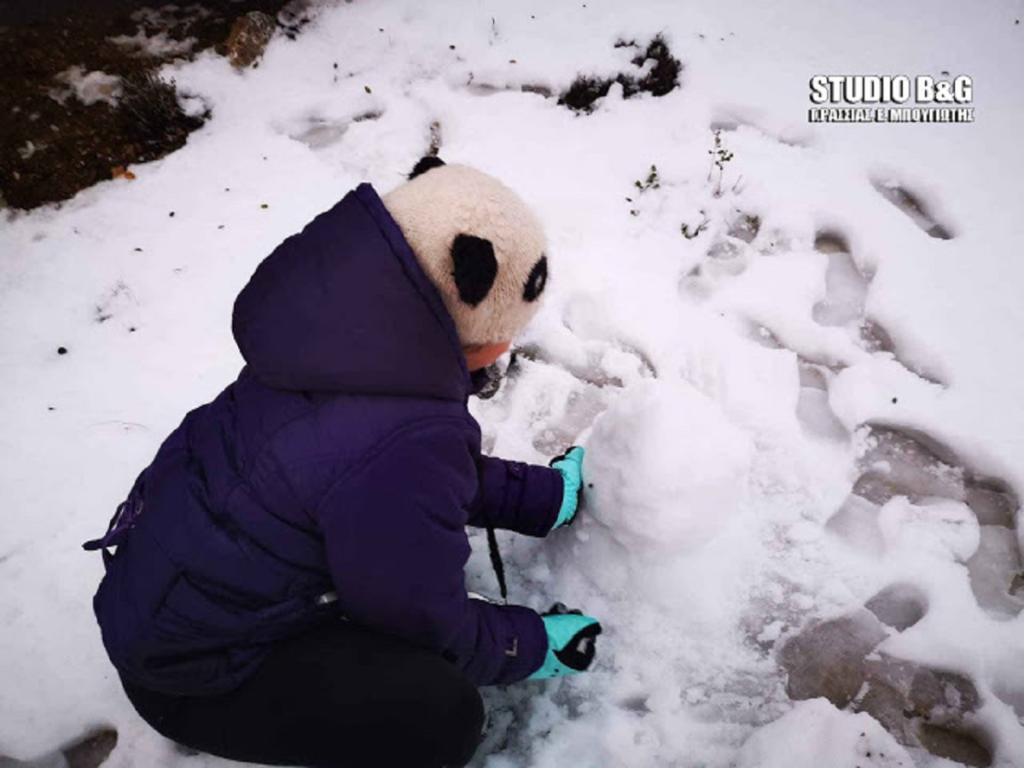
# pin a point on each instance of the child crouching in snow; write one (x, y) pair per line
(288, 586)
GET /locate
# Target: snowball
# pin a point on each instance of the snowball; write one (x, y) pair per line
(668, 469)
(815, 734)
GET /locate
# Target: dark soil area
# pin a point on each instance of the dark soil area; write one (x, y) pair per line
(51, 143)
(662, 78)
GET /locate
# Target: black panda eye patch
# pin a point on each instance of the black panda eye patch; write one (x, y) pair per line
(474, 267)
(424, 164)
(536, 281)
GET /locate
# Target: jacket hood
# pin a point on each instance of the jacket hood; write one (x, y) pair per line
(343, 306)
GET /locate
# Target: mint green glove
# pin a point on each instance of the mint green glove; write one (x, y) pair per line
(571, 643)
(570, 465)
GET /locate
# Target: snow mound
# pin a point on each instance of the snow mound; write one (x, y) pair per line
(943, 527)
(815, 734)
(672, 467)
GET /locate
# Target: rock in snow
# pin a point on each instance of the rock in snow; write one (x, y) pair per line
(899, 606)
(829, 659)
(249, 37)
(926, 708)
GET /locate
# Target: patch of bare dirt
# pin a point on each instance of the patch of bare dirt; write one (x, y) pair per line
(658, 79)
(56, 140)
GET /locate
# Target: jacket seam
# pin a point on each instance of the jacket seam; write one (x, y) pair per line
(268, 443)
(245, 478)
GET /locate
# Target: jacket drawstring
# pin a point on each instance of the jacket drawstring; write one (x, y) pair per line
(124, 519)
(496, 562)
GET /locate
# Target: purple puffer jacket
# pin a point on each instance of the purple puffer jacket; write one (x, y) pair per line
(343, 460)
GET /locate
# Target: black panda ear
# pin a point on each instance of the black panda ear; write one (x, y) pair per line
(537, 280)
(424, 164)
(474, 267)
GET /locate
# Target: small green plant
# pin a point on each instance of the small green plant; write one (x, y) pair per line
(720, 155)
(651, 181)
(688, 233)
(151, 115)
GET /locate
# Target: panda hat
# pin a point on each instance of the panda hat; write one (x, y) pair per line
(479, 244)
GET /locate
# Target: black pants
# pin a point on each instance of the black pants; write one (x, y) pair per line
(336, 697)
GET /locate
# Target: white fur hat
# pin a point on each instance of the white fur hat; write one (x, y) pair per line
(478, 243)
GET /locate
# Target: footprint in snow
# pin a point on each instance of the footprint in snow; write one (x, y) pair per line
(921, 707)
(914, 207)
(318, 132)
(728, 255)
(90, 751)
(898, 463)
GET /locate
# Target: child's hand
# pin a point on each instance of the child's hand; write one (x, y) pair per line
(571, 643)
(570, 464)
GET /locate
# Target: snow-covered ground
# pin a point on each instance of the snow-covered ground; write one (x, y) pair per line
(813, 399)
